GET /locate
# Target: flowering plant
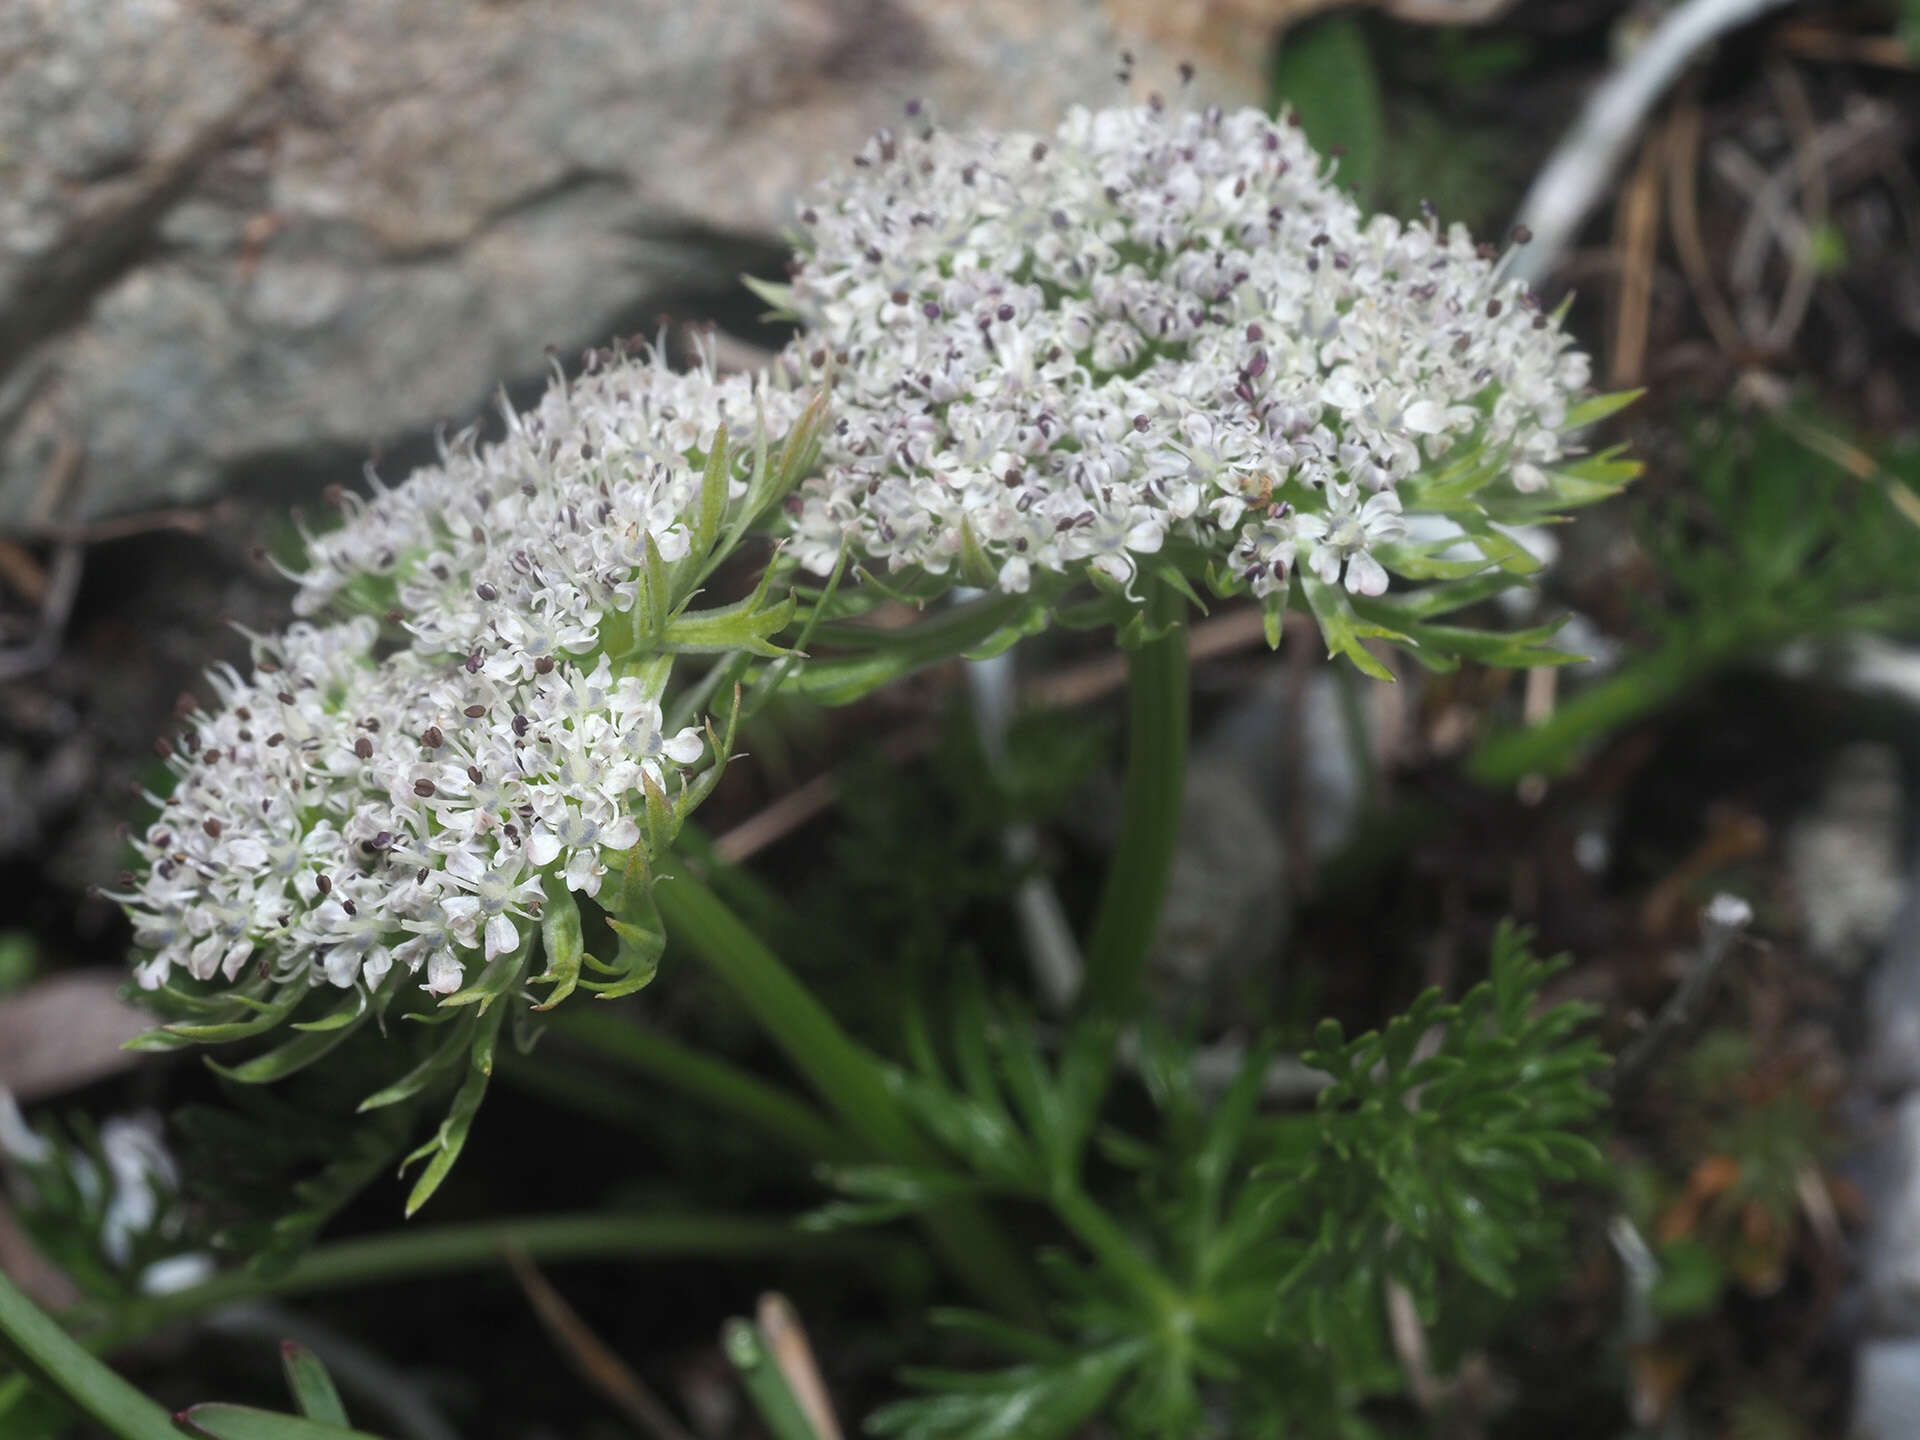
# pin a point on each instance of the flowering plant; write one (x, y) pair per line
(1091, 375)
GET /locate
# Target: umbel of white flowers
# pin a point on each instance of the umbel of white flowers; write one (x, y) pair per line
(364, 801)
(1151, 325)
(1155, 332)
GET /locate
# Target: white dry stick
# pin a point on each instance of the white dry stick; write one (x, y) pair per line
(1580, 169)
(1051, 949)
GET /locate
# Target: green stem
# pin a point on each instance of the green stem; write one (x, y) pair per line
(1129, 911)
(63, 1366)
(846, 1075)
(408, 1253)
(772, 1111)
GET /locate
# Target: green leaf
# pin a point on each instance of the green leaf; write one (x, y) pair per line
(312, 1387)
(1692, 1279)
(243, 1422)
(60, 1363)
(884, 1192)
(1325, 73)
(1022, 1402)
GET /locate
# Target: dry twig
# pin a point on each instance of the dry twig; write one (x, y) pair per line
(595, 1363)
(786, 1337)
(1574, 178)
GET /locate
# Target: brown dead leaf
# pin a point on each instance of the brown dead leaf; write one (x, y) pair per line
(1712, 1177)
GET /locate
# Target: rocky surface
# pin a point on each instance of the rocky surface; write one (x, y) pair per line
(242, 242)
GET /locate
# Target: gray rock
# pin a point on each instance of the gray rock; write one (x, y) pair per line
(1886, 1390)
(234, 235)
(1893, 1003)
(1227, 908)
(1844, 858)
(1891, 1264)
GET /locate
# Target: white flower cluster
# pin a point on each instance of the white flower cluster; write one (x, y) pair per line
(1154, 324)
(362, 801)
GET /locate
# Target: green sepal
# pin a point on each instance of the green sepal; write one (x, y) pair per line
(655, 587)
(1406, 606)
(1500, 548)
(1100, 613)
(417, 1079)
(661, 821)
(976, 569)
(773, 478)
(1515, 649)
(1426, 561)
(776, 674)
(345, 1015)
(1172, 576)
(628, 874)
(560, 941)
(444, 1148)
(173, 1037)
(1596, 408)
(221, 1002)
(636, 960)
(966, 629)
(1451, 489)
(495, 980)
(301, 1051)
(743, 625)
(1343, 630)
(1570, 487)
(713, 496)
(778, 297)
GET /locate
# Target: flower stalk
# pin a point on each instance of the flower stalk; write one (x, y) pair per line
(847, 1076)
(1128, 916)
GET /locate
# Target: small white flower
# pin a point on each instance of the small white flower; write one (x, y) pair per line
(1346, 533)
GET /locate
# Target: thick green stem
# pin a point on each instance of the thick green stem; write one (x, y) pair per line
(1129, 912)
(778, 1116)
(63, 1366)
(411, 1252)
(846, 1075)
